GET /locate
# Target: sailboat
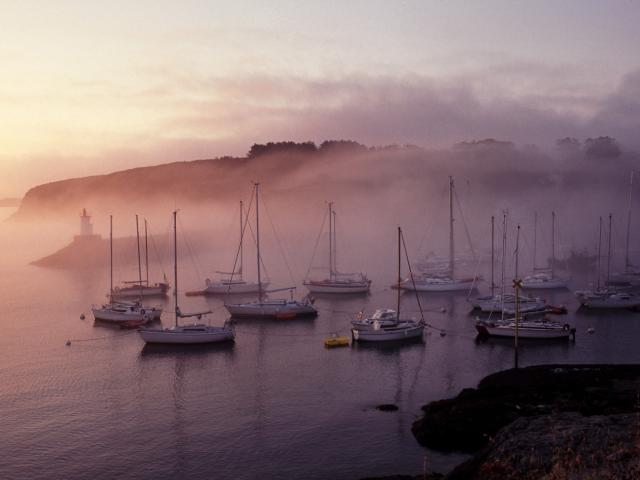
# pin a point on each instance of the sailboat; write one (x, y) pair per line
(631, 274)
(123, 313)
(196, 333)
(544, 278)
(517, 326)
(270, 308)
(387, 324)
(138, 288)
(532, 328)
(503, 301)
(607, 297)
(337, 282)
(445, 281)
(232, 282)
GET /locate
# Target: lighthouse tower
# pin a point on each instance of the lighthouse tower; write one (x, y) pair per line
(86, 227)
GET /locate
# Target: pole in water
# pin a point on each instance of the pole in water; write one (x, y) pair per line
(517, 284)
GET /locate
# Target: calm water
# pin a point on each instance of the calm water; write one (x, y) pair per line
(276, 404)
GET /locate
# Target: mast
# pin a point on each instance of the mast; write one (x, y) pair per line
(146, 251)
(535, 238)
(609, 251)
(257, 185)
(330, 241)
(517, 250)
(451, 246)
(399, 271)
(139, 264)
(335, 245)
(627, 264)
(175, 265)
(111, 258)
(553, 241)
(504, 252)
(493, 285)
(241, 242)
(599, 253)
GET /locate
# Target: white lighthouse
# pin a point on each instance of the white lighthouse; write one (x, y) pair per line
(86, 227)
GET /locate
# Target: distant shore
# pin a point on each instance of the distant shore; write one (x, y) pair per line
(548, 421)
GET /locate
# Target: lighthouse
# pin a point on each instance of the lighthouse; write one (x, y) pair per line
(86, 227)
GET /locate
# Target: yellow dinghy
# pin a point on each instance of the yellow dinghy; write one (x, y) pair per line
(335, 340)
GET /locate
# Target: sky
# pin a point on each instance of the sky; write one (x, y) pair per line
(92, 87)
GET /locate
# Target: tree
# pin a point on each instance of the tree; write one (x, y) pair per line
(602, 147)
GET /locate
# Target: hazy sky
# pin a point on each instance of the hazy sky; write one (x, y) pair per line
(91, 87)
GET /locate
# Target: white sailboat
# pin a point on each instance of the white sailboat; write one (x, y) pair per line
(443, 281)
(138, 288)
(337, 282)
(540, 329)
(124, 313)
(503, 301)
(386, 324)
(269, 308)
(607, 297)
(232, 282)
(530, 328)
(543, 278)
(196, 333)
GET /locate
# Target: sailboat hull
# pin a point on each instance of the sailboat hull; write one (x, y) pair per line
(271, 309)
(158, 290)
(184, 335)
(531, 330)
(607, 301)
(327, 286)
(222, 288)
(543, 283)
(387, 334)
(438, 285)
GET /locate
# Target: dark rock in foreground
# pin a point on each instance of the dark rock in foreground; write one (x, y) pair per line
(469, 421)
(559, 446)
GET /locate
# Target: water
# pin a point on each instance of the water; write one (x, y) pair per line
(276, 404)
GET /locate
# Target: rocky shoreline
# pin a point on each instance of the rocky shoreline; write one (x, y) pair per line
(541, 422)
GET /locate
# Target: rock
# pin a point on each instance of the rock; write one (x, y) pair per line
(470, 420)
(559, 445)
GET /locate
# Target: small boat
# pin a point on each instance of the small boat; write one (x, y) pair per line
(337, 282)
(196, 333)
(335, 340)
(386, 324)
(270, 308)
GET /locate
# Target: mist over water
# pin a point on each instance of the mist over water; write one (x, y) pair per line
(277, 403)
